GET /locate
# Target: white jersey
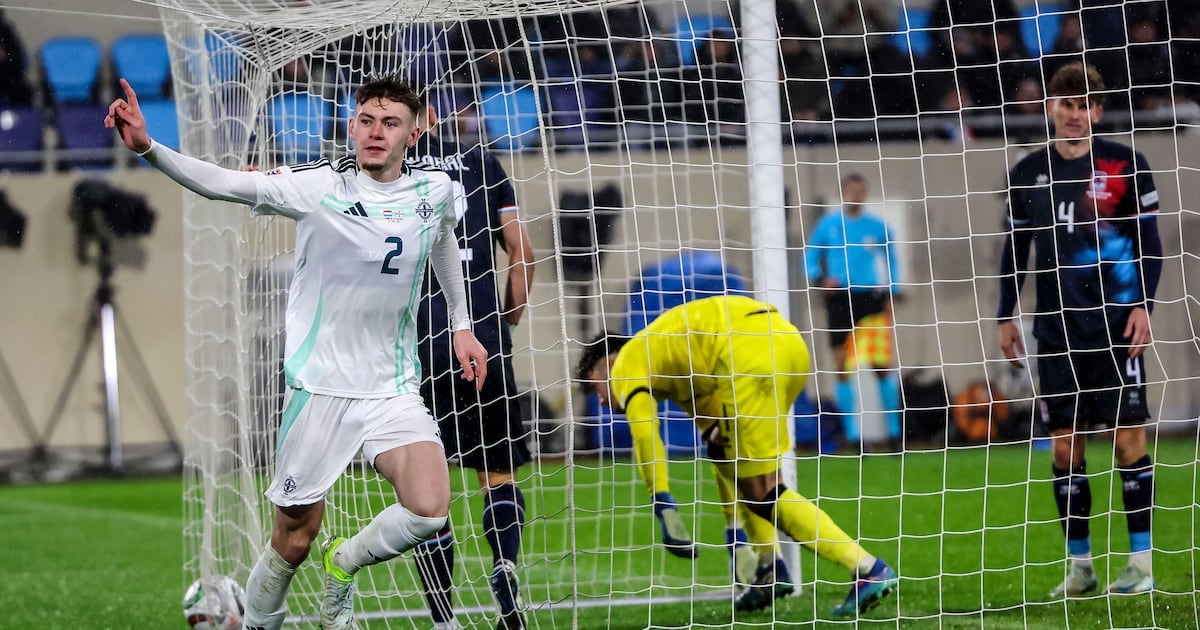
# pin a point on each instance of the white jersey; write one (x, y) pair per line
(361, 252)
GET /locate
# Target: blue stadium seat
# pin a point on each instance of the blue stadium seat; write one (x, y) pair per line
(20, 135)
(667, 284)
(298, 122)
(690, 27)
(142, 59)
(80, 128)
(510, 116)
(162, 122)
(913, 30)
(71, 67)
(223, 64)
(1040, 23)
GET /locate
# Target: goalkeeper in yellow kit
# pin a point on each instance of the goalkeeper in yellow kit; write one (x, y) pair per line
(736, 366)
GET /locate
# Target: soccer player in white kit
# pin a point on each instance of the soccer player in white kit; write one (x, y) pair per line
(366, 227)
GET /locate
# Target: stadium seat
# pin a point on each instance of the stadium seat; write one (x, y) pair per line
(71, 67)
(690, 27)
(299, 122)
(162, 122)
(142, 60)
(20, 135)
(80, 128)
(1040, 23)
(912, 28)
(510, 116)
(671, 282)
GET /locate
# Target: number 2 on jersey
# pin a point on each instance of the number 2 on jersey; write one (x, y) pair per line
(387, 260)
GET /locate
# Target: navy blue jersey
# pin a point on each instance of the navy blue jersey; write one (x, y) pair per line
(1086, 218)
(482, 195)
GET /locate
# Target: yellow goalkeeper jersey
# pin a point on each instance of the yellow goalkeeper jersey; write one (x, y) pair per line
(721, 359)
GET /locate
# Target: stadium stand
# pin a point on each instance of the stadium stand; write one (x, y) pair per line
(142, 59)
(71, 68)
(20, 139)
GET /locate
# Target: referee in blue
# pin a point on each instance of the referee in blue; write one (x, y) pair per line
(485, 430)
(851, 257)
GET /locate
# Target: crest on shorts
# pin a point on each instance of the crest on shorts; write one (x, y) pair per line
(289, 485)
(425, 211)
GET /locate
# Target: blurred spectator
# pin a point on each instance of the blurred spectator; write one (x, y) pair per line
(14, 83)
(1185, 47)
(970, 37)
(490, 51)
(1027, 98)
(632, 21)
(1028, 105)
(1149, 58)
(950, 107)
(802, 69)
(650, 88)
(721, 83)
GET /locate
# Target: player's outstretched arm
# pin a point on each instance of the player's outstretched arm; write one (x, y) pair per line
(198, 176)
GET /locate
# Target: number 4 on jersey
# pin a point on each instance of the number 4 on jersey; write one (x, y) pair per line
(1066, 214)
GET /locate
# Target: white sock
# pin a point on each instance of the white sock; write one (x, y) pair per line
(1083, 561)
(865, 564)
(391, 533)
(1141, 560)
(266, 591)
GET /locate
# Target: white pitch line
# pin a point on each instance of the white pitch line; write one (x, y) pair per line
(76, 511)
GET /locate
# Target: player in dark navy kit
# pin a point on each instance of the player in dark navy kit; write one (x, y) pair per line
(484, 430)
(1089, 207)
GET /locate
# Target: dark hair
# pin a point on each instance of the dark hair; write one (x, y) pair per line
(1077, 79)
(393, 88)
(599, 348)
(854, 178)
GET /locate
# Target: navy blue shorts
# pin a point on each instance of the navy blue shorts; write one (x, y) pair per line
(1091, 389)
(484, 430)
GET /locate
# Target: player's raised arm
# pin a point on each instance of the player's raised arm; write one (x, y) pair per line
(198, 176)
(125, 115)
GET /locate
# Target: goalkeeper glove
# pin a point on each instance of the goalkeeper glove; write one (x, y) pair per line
(674, 533)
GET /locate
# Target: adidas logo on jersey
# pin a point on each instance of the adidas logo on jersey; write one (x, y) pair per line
(357, 210)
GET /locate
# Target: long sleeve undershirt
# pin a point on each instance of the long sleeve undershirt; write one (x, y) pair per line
(223, 184)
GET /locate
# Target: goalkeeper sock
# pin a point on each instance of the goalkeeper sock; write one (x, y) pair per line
(807, 524)
(503, 520)
(1073, 496)
(266, 591)
(435, 563)
(847, 401)
(392, 532)
(1137, 489)
(889, 396)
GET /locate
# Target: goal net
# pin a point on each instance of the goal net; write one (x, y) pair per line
(663, 151)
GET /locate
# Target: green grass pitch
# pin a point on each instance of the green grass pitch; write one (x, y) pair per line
(971, 531)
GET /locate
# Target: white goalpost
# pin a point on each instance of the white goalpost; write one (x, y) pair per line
(660, 151)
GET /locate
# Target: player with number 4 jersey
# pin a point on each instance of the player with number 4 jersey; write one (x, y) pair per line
(1088, 208)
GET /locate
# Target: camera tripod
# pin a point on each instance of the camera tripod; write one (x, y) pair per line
(15, 403)
(104, 318)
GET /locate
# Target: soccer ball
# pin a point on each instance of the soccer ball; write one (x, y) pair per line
(214, 603)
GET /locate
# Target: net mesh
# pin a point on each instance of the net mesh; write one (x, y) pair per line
(624, 129)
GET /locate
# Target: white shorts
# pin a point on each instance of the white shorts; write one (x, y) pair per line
(320, 435)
